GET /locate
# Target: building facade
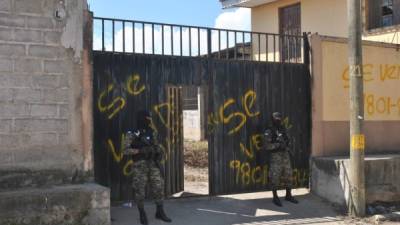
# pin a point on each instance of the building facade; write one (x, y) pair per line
(381, 18)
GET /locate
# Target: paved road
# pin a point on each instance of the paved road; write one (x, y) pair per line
(242, 209)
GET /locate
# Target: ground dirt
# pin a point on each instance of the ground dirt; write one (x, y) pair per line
(196, 167)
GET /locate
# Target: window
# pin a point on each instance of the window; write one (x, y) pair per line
(383, 13)
(387, 13)
(290, 25)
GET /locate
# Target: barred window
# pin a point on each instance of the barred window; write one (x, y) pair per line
(383, 13)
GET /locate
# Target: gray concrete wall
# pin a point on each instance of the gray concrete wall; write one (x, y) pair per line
(45, 96)
(87, 204)
(330, 178)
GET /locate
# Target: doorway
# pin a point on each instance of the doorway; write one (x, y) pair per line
(195, 148)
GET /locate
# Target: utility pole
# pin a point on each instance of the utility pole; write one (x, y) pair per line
(357, 138)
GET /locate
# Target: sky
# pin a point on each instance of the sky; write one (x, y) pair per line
(203, 13)
(206, 13)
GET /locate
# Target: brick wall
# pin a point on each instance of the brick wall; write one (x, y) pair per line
(41, 85)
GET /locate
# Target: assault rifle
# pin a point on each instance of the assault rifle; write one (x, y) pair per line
(150, 151)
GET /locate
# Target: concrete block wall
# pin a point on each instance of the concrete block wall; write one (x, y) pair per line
(45, 115)
(62, 205)
(42, 93)
(330, 178)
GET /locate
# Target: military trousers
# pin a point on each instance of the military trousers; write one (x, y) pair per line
(146, 173)
(280, 172)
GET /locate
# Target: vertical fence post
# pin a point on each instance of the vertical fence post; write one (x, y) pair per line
(103, 48)
(306, 49)
(209, 42)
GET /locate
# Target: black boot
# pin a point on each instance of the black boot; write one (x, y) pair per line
(143, 217)
(276, 200)
(289, 196)
(160, 214)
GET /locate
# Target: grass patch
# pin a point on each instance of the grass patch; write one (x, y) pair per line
(196, 154)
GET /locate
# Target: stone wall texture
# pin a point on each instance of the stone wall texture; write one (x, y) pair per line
(41, 87)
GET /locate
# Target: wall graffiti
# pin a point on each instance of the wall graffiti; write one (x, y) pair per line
(247, 172)
(162, 112)
(374, 73)
(381, 104)
(132, 85)
(118, 103)
(237, 118)
(375, 103)
(118, 156)
(247, 175)
(256, 143)
(381, 78)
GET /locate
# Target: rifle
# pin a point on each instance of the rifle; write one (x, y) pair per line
(280, 143)
(284, 141)
(150, 151)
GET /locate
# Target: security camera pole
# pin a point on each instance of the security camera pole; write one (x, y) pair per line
(357, 138)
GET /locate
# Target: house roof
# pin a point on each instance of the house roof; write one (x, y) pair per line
(244, 3)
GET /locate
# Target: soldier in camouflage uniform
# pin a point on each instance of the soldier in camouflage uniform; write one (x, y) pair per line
(146, 156)
(280, 172)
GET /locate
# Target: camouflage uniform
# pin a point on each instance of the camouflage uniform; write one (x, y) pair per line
(146, 157)
(280, 172)
(146, 170)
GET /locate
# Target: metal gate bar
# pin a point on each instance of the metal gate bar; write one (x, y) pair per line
(194, 41)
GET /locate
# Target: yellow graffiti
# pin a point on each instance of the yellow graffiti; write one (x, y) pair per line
(248, 102)
(116, 155)
(127, 166)
(235, 165)
(257, 141)
(153, 126)
(212, 121)
(255, 144)
(157, 109)
(300, 177)
(227, 119)
(132, 85)
(389, 72)
(247, 151)
(165, 150)
(286, 123)
(174, 128)
(382, 72)
(119, 156)
(248, 175)
(381, 104)
(254, 175)
(245, 170)
(114, 104)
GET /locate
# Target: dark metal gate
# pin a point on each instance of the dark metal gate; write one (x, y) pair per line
(241, 96)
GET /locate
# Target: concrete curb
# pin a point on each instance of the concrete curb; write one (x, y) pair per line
(394, 216)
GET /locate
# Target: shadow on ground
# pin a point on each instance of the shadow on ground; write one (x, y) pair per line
(253, 208)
